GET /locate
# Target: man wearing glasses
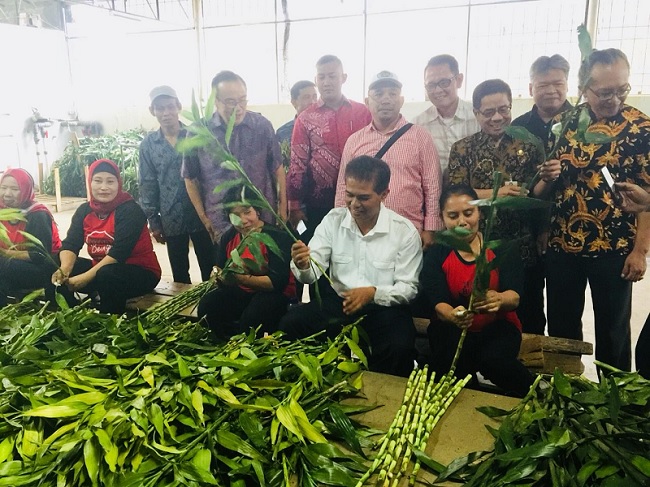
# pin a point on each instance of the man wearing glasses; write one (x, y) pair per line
(474, 159)
(591, 239)
(255, 146)
(449, 119)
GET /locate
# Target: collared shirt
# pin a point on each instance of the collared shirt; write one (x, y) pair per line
(388, 257)
(473, 161)
(319, 135)
(255, 146)
(163, 196)
(415, 176)
(535, 125)
(284, 132)
(447, 131)
(584, 219)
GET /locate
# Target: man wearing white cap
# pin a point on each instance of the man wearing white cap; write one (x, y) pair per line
(416, 179)
(172, 218)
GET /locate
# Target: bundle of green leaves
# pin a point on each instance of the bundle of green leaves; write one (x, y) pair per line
(569, 432)
(93, 399)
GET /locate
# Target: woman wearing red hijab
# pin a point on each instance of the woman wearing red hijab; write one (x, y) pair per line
(22, 266)
(114, 228)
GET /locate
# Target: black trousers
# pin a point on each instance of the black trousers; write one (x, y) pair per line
(115, 283)
(22, 274)
(566, 281)
(531, 305)
(389, 329)
(493, 352)
(642, 351)
(231, 310)
(178, 248)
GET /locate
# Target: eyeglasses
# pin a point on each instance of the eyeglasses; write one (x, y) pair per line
(605, 95)
(504, 111)
(443, 83)
(232, 103)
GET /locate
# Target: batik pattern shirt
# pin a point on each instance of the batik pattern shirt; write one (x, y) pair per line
(474, 159)
(584, 219)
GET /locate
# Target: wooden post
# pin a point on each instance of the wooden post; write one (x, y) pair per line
(57, 189)
(86, 183)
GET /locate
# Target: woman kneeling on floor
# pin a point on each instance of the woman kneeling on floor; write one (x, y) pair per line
(114, 229)
(494, 332)
(22, 264)
(259, 293)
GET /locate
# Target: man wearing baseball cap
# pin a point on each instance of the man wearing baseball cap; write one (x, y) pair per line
(172, 218)
(416, 179)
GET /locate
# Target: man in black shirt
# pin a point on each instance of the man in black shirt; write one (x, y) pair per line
(548, 87)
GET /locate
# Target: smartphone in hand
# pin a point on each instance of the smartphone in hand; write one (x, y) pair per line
(618, 199)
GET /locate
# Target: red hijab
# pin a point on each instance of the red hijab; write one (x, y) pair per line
(106, 165)
(26, 184)
(27, 204)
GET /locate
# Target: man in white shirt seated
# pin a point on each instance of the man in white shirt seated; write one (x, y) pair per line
(374, 258)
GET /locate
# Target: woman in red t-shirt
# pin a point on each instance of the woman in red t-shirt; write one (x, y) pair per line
(494, 332)
(256, 297)
(122, 262)
(23, 265)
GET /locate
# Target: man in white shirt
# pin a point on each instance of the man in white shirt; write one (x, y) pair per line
(374, 258)
(449, 119)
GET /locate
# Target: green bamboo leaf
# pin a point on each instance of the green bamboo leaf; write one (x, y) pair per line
(203, 459)
(306, 428)
(91, 460)
(586, 471)
(357, 351)
(6, 448)
(583, 123)
(329, 356)
(492, 412)
(605, 471)
(183, 370)
(520, 471)
(561, 383)
(61, 302)
(88, 398)
(196, 114)
(209, 105)
(227, 184)
(166, 448)
(200, 129)
(190, 144)
(111, 452)
(642, 464)
(197, 404)
(157, 418)
(230, 165)
(520, 203)
(348, 367)
(286, 418)
(590, 397)
(523, 134)
(157, 358)
(230, 127)
(454, 238)
(259, 472)
(57, 411)
(187, 115)
(345, 429)
(584, 42)
(233, 442)
(147, 375)
(333, 475)
(11, 468)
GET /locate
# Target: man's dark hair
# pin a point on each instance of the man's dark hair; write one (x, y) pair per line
(226, 76)
(329, 58)
(299, 86)
(544, 64)
(490, 87)
(456, 190)
(441, 59)
(367, 168)
(604, 56)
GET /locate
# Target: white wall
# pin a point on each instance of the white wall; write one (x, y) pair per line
(35, 74)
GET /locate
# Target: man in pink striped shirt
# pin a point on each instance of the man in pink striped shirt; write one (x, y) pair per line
(416, 177)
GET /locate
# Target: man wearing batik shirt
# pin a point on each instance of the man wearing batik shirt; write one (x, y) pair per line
(591, 239)
(253, 143)
(172, 218)
(416, 180)
(449, 118)
(319, 135)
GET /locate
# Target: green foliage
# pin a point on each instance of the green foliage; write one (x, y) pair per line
(94, 399)
(121, 147)
(570, 431)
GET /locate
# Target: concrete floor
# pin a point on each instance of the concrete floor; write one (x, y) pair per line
(640, 301)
